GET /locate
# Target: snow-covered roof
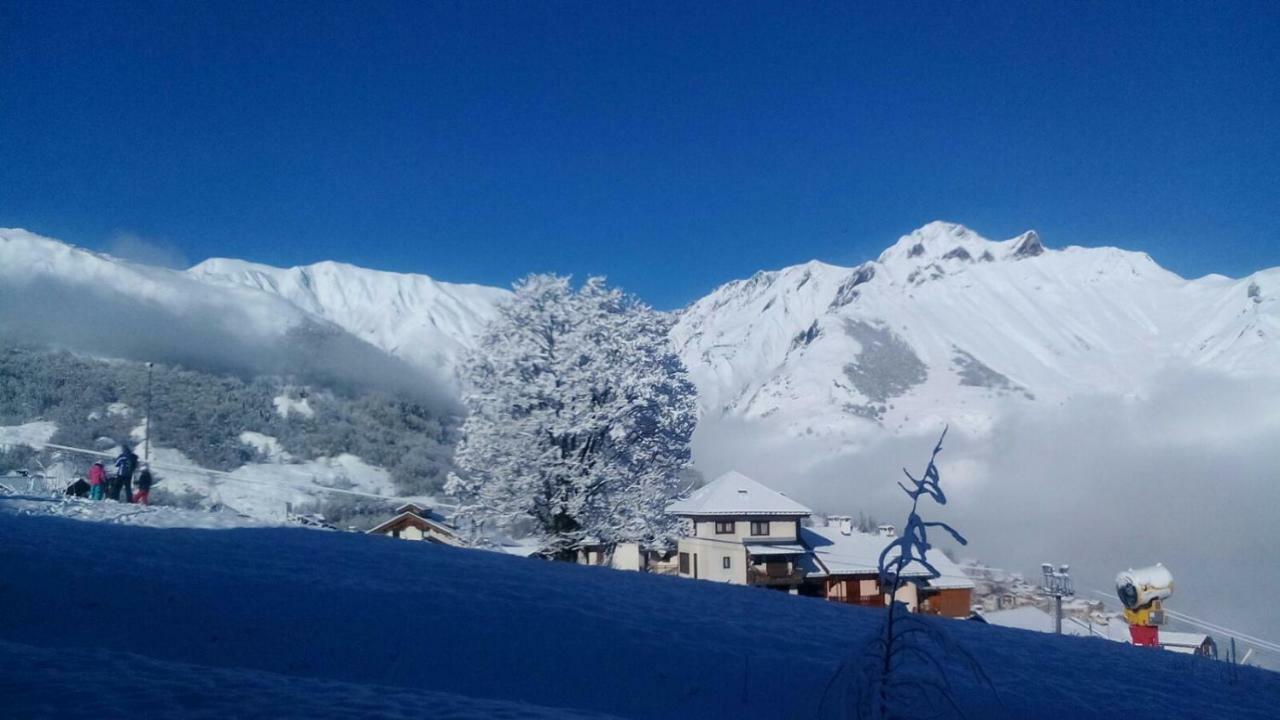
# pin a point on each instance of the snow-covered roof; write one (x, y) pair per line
(408, 515)
(1181, 641)
(858, 553)
(736, 494)
(766, 549)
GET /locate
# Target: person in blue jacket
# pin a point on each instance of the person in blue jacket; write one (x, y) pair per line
(126, 463)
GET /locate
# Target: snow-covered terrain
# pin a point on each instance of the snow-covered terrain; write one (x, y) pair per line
(1104, 412)
(424, 321)
(268, 490)
(61, 295)
(33, 433)
(1084, 386)
(944, 325)
(947, 326)
(125, 514)
(108, 619)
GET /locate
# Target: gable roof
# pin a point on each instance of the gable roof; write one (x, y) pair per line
(411, 518)
(736, 494)
(858, 553)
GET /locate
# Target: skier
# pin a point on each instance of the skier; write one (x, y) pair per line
(126, 463)
(97, 479)
(143, 496)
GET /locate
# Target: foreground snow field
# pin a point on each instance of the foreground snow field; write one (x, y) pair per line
(101, 619)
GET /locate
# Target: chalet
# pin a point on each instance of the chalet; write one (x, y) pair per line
(416, 522)
(743, 533)
(848, 571)
(1188, 643)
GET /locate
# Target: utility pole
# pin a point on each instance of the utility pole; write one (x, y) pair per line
(146, 441)
(1057, 583)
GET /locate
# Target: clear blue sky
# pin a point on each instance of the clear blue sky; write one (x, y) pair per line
(669, 147)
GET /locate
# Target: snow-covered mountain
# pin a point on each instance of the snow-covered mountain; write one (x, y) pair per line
(946, 324)
(429, 323)
(347, 321)
(1081, 383)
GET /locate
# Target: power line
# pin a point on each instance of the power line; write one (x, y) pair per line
(1213, 627)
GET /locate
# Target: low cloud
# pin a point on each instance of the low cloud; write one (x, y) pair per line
(1183, 472)
(135, 248)
(180, 321)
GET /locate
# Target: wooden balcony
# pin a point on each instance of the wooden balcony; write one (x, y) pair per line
(771, 577)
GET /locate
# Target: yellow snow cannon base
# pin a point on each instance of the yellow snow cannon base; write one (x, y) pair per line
(1151, 614)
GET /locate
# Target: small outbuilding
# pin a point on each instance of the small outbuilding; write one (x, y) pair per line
(416, 522)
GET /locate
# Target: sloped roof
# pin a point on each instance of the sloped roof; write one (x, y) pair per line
(858, 553)
(412, 518)
(1181, 641)
(736, 494)
(768, 549)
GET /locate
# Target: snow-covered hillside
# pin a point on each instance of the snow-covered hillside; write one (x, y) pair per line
(424, 321)
(944, 324)
(56, 294)
(113, 620)
(948, 326)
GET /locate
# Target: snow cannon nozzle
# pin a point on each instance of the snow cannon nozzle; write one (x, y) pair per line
(1139, 588)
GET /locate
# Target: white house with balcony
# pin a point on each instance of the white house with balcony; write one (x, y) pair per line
(742, 532)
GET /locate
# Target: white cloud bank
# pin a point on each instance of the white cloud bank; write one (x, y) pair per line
(1183, 471)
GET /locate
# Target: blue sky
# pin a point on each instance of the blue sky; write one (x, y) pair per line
(668, 147)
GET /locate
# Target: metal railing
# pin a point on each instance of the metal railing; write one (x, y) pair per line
(757, 576)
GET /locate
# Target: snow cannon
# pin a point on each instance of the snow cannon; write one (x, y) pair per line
(1142, 591)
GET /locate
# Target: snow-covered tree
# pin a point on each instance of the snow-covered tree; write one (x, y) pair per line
(579, 420)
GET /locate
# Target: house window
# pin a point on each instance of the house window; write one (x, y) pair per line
(395, 534)
(727, 562)
(684, 563)
(724, 527)
(759, 527)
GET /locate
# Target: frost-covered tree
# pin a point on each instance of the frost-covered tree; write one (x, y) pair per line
(579, 420)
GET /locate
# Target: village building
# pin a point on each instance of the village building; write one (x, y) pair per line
(416, 522)
(848, 571)
(743, 533)
(1188, 643)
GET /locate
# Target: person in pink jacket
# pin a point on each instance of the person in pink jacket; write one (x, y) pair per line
(97, 481)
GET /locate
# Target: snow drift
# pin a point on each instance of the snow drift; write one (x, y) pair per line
(275, 622)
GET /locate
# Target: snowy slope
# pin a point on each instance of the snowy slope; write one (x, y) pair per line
(57, 294)
(280, 622)
(944, 324)
(152, 516)
(948, 324)
(30, 263)
(424, 321)
(32, 434)
(54, 291)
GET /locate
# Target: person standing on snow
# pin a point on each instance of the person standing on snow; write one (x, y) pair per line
(143, 496)
(97, 481)
(126, 463)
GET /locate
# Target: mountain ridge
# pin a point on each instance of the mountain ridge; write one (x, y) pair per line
(943, 322)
